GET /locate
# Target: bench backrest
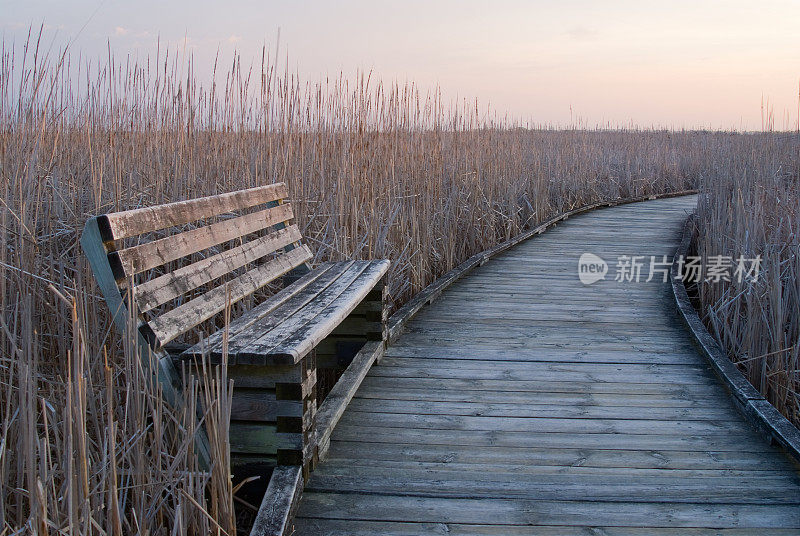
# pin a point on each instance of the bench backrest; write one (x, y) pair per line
(257, 241)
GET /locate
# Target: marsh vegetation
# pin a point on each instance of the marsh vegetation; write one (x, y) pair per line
(375, 170)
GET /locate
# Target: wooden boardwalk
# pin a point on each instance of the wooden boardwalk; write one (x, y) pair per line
(523, 402)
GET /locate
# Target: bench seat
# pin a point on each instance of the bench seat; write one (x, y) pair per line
(284, 328)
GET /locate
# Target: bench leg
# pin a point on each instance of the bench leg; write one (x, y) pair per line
(376, 313)
(297, 408)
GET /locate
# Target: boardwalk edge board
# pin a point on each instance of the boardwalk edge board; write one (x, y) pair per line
(429, 294)
(277, 509)
(756, 409)
(339, 398)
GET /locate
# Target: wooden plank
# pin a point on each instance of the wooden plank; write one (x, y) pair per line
(253, 438)
(277, 508)
(494, 300)
(589, 322)
(630, 425)
(546, 339)
(263, 377)
(536, 386)
(505, 472)
(558, 487)
(531, 345)
(184, 317)
(537, 368)
(573, 401)
(533, 332)
(602, 343)
(143, 220)
(150, 255)
(212, 345)
(489, 356)
(513, 299)
(245, 337)
(557, 372)
(256, 405)
(308, 335)
(297, 335)
(533, 459)
(248, 437)
(159, 290)
(486, 311)
(358, 527)
(373, 433)
(532, 410)
(336, 402)
(533, 512)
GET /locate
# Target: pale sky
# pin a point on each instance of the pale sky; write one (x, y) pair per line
(674, 63)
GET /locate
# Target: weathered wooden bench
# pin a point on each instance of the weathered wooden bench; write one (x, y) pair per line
(168, 271)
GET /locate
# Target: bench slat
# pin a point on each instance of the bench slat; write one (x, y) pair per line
(271, 313)
(159, 290)
(144, 220)
(303, 336)
(184, 317)
(149, 255)
(212, 345)
(258, 347)
(323, 290)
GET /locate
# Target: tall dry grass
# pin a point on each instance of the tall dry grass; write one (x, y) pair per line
(375, 170)
(754, 209)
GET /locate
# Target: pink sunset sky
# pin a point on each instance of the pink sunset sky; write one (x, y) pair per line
(679, 64)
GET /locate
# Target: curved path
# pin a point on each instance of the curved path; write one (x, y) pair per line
(523, 402)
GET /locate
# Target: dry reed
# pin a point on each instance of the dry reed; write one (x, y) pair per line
(374, 169)
(753, 209)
